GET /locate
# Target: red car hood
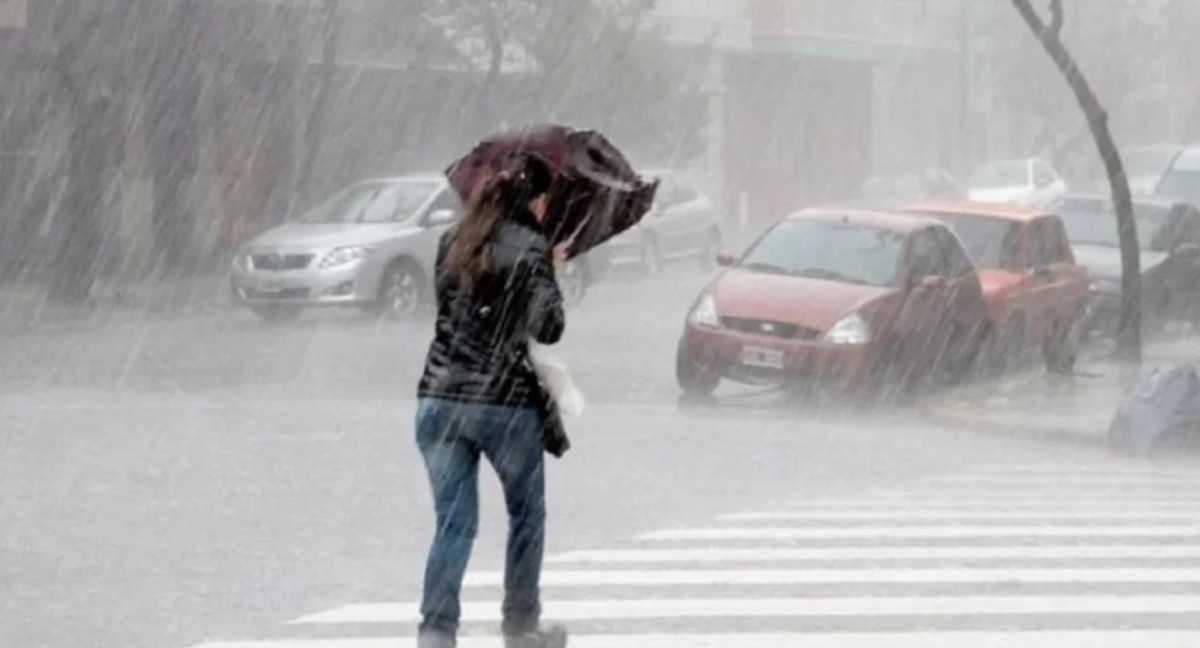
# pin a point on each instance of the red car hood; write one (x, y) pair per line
(813, 303)
(996, 282)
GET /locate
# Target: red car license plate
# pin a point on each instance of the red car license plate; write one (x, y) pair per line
(762, 358)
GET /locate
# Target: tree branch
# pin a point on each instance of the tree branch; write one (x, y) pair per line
(1056, 18)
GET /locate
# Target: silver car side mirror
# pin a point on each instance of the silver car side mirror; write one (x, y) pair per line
(441, 217)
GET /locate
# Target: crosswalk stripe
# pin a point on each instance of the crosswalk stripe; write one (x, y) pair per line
(1026, 545)
(1177, 492)
(974, 502)
(1093, 468)
(1001, 489)
(922, 515)
(750, 555)
(849, 576)
(949, 531)
(1063, 480)
(1057, 485)
(691, 608)
(952, 639)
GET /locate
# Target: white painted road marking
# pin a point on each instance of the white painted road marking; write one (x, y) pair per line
(927, 499)
(765, 554)
(694, 608)
(1053, 525)
(963, 513)
(1064, 480)
(851, 576)
(947, 531)
(1082, 639)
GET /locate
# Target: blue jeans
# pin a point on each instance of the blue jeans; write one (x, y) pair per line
(452, 436)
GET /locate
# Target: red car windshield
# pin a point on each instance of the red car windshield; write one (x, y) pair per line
(829, 250)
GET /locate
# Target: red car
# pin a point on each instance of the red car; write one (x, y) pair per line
(1036, 292)
(843, 298)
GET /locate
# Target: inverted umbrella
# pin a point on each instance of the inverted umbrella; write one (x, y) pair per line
(595, 196)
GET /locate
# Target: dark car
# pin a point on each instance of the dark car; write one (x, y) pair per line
(1169, 237)
(1144, 167)
(850, 299)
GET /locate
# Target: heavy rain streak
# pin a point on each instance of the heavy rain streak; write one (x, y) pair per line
(609, 323)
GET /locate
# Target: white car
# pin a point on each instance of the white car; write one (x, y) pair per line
(1181, 181)
(1026, 182)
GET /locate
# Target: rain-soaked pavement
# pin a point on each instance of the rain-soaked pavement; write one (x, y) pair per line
(169, 483)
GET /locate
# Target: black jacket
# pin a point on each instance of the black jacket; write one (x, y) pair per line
(480, 350)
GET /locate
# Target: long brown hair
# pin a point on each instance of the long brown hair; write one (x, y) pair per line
(519, 180)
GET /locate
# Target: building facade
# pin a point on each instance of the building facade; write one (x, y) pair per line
(808, 98)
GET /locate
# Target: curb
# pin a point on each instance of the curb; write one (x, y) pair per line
(966, 407)
(106, 313)
(1058, 435)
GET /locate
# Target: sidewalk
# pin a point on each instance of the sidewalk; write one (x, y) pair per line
(25, 308)
(1076, 409)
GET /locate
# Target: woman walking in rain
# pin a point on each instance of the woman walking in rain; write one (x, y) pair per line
(480, 396)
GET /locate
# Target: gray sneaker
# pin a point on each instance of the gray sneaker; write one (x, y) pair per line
(548, 637)
(435, 640)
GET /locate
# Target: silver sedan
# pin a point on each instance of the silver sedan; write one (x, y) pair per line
(372, 245)
(684, 224)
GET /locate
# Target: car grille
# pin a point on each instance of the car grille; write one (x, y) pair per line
(781, 330)
(282, 261)
(285, 294)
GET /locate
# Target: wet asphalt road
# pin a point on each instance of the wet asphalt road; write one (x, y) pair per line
(168, 482)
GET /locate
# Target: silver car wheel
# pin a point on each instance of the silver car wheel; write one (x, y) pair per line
(401, 293)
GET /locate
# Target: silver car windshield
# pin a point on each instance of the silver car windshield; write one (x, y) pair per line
(1147, 161)
(1092, 225)
(372, 202)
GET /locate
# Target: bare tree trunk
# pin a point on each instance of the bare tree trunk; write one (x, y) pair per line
(318, 119)
(494, 34)
(1129, 331)
(173, 89)
(78, 224)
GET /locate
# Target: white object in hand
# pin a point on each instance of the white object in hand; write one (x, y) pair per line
(552, 372)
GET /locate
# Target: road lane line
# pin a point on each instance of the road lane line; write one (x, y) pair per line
(949, 531)
(656, 609)
(732, 555)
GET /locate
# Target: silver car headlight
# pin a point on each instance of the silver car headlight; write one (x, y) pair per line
(705, 313)
(345, 255)
(243, 261)
(850, 330)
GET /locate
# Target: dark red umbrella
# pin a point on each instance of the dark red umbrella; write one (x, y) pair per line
(596, 194)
